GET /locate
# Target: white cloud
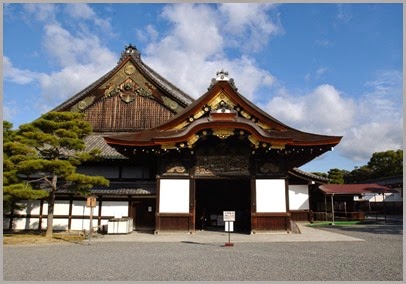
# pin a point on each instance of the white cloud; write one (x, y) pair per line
(320, 72)
(197, 41)
(79, 11)
(249, 23)
(43, 12)
(371, 123)
(79, 58)
(10, 110)
(148, 34)
(324, 110)
(16, 75)
(363, 140)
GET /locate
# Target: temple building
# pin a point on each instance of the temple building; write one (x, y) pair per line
(175, 163)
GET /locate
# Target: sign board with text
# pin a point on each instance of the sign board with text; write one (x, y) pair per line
(228, 216)
(91, 201)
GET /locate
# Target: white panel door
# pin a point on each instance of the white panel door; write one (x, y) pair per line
(174, 196)
(270, 195)
(299, 197)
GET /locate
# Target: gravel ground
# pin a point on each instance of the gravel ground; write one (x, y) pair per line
(379, 258)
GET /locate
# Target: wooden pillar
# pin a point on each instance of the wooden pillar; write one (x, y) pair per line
(11, 216)
(192, 202)
(288, 218)
(41, 210)
(253, 205)
(157, 218)
(99, 217)
(70, 212)
(332, 208)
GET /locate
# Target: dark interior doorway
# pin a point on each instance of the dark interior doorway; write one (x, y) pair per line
(213, 196)
(143, 214)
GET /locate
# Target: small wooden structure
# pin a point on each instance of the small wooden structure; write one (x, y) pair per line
(342, 199)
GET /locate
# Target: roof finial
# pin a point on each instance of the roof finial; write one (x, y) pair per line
(130, 50)
(222, 76)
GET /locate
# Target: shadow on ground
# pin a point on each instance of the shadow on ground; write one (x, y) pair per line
(391, 229)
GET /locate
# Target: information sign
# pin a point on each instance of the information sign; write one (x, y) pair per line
(228, 216)
(229, 226)
(91, 201)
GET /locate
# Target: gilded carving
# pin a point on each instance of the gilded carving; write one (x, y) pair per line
(215, 102)
(168, 146)
(245, 114)
(128, 83)
(263, 125)
(269, 167)
(83, 104)
(193, 140)
(223, 133)
(221, 165)
(129, 69)
(253, 140)
(173, 105)
(175, 168)
(278, 146)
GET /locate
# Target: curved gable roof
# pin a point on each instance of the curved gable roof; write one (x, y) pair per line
(220, 108)
(130, 56)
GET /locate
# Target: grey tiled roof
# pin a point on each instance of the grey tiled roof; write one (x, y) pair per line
(115, 188)
(309, 176)
(127, 188)
(96, 141)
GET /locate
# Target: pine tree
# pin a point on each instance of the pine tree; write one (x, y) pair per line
(58, 140)
(14, 187)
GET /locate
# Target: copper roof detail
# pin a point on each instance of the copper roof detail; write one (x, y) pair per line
(354, 189)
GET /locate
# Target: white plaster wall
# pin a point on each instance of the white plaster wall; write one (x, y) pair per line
(61, 207)
(174, 196)
(25, 223)
(79, 209)
(31, 207)
(270, 195)
(118, 209)
(299, 197)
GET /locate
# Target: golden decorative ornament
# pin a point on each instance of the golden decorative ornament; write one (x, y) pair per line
(129, 69)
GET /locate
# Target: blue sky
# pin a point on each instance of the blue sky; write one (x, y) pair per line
(332, 69)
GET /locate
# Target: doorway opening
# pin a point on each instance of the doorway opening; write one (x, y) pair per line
(143, 214)
(213, 196)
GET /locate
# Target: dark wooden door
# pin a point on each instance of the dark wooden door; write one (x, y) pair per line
(144, 218)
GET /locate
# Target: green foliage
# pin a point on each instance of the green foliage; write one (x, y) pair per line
(381, 164)
(389, 163)
(15, 153)
(53, 146)
(83, 183)
(359, 175)
(320, 174)
(336, 176)
(56, 133)
(19, 191)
